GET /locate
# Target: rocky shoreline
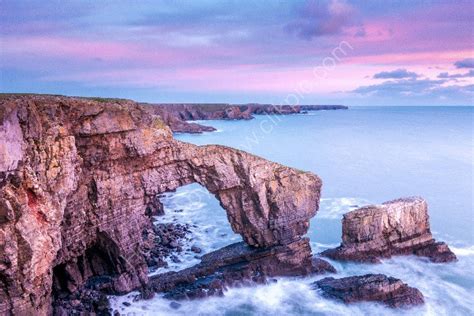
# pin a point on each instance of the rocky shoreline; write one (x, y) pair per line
(80, 183)
(176, 116)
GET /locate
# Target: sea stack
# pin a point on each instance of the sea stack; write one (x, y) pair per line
(398, 227)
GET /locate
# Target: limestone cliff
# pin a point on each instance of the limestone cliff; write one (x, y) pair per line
(76, 178)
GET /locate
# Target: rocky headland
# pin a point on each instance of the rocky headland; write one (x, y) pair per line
(177, 115)
(80, 187)
(79, 179)
(398, 227)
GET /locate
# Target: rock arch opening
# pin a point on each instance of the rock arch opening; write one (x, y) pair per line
(190, 223)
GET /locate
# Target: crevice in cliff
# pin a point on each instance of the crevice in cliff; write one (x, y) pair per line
(101, 259)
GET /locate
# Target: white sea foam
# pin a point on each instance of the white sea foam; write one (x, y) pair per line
(194, 205)
(463, 251)
(442, 286)
(334, 208)
(447, 287)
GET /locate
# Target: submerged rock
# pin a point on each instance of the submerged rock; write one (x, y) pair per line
(370, 287)
(398, 227)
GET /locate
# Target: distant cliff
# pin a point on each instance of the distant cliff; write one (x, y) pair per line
(177, 115)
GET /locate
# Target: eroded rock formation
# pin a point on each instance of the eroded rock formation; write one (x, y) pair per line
(370, 287)
(398, 227)
(78, 176)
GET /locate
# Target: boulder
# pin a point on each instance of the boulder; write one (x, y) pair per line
(370, 287)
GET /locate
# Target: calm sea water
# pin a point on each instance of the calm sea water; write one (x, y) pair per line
(364, 155)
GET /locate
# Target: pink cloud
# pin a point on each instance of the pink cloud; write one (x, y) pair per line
(76, 49)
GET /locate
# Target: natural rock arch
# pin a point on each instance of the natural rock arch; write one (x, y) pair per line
(83, 169)
(268, 204)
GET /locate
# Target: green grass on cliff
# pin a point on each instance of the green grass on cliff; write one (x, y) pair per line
(7, 95)
(97, 99)
(104, 100)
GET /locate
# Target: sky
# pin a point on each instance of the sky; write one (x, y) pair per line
(280, 52)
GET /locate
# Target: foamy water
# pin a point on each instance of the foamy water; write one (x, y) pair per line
(364, 156)
(194, 205)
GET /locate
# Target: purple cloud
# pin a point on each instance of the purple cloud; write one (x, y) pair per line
(320, 18)
(445, 75)
(400, 87)
(465, 63)
(415, 91)
(396, 74)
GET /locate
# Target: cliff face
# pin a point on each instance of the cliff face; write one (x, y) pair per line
(398, 227)
(76, 178)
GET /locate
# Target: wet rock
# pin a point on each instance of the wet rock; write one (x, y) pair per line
(399, 227)
(154, 207)
(84, 301)
(165, 240)
(238, 265)
(147, 293)
(175, 305)
(321, 266)
(370, 287)
(196, 249)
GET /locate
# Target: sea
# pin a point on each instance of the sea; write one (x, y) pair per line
(364, 155)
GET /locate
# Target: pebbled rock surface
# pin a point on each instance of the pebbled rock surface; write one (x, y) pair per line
(398, 227)
(370, 287)
(79, 178)
(177, 115)
(163, 241)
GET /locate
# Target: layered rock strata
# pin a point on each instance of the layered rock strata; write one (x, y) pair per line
(78, 178)
(370, 287)
(398, 227)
